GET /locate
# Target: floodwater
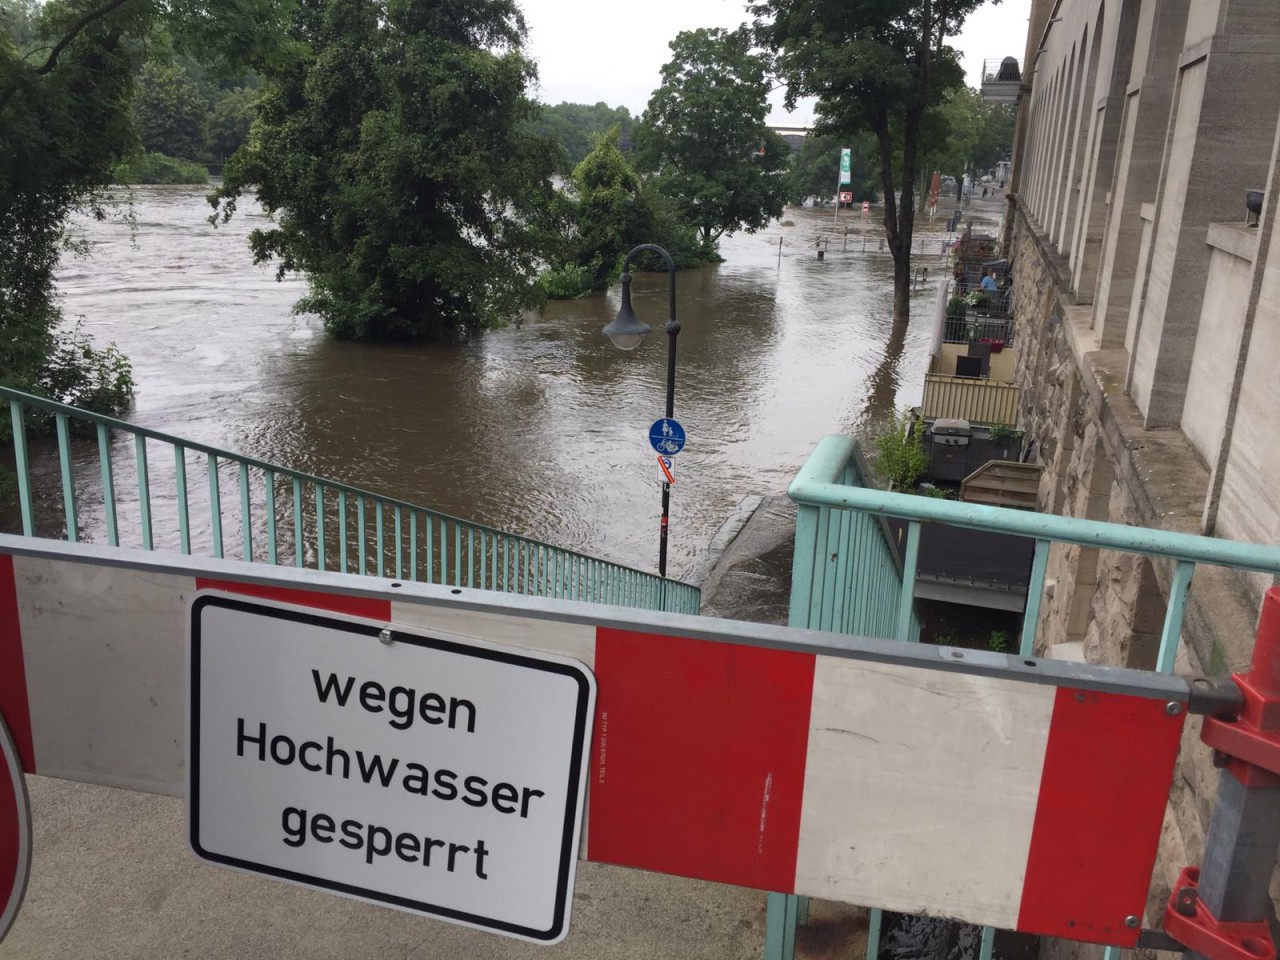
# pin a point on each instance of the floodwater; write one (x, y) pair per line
(540, 428)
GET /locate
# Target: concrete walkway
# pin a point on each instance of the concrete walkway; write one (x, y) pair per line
(113, 878)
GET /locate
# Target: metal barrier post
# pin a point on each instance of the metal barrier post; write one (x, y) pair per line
(780, 927)
(1221, 910)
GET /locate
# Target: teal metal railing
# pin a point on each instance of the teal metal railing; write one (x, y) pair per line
(839, 529)
(847, 576)
(150, 490)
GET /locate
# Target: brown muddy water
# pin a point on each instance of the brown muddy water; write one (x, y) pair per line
(540, 428)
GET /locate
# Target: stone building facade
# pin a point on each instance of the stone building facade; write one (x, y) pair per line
(1148, 299)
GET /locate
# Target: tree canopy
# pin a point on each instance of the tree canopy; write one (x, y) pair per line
(875, 65)
(398, 160)
(575, 126)
(704, 135)
(964, 134)
(170, 112)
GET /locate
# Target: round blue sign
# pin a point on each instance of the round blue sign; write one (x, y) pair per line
(666, 436)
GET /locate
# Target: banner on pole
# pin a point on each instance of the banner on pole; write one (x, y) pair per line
(846, 174)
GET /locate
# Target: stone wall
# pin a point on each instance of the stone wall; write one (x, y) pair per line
(1102, 463)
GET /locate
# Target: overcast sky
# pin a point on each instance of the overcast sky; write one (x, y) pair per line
(613, 51)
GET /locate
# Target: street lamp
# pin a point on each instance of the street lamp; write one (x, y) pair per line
(627, 331)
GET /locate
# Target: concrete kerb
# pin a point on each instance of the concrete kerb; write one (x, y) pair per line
(749, 578)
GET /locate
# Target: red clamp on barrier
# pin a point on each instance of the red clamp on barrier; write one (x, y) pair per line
(1251, 742)
(1189, 922)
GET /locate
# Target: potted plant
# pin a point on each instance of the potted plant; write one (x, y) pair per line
(1005, 436)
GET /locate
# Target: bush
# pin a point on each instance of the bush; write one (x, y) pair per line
(566, 282)
(902, 458)
(956, 308)
(1005, 435)
(157, 168)
(82, 375)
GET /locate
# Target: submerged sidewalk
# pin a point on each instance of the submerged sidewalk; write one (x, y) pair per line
(112, 877)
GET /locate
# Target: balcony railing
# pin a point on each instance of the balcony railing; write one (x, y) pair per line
(970, 398)
(978, 329)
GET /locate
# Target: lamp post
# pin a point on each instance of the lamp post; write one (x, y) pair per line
(627, 331)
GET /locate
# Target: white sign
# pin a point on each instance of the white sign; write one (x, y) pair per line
(427, 774)
(666, 470)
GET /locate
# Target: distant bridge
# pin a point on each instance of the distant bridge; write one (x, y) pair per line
(793, 134)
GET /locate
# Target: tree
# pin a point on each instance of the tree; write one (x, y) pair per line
(398, 161)
(170, 112)
(704, 135)
(229, 121)
(877, 65)
(950, 132)
(815, 166)
(576, 125)
(608, 213)
(995, 141)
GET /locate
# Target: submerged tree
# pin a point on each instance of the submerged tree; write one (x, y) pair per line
(877, 65)
(704, 135)
(398, 159)
(607, 212)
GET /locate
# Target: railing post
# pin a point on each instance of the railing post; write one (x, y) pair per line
(24, 475)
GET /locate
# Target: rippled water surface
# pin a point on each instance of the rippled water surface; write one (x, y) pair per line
(540, 428)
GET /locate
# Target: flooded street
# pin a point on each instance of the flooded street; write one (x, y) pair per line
(540, 428)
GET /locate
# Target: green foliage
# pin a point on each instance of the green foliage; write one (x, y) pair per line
(229, 120)
(1005, 435)
(957, 307)
(964, 134)
(568, 281)
(996, 140)
(874, 65)
(998, 641)
(157, 168)
(575, 126)
(815, 167)
(84, 376)
(901, 459)
(170, 112)
(705, 138)
(611, 213)
(608, 211)
(397, 159)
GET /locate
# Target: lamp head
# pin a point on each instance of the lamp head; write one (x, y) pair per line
(627, 331)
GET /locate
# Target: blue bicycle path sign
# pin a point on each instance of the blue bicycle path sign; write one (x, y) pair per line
(666, 436)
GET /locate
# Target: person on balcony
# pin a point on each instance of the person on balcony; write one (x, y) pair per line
(989, 283)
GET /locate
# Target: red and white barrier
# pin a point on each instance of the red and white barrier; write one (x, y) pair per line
(1031, 806)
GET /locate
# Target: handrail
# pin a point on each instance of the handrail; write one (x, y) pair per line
(810, 487)
(818, 490)
(554, 570)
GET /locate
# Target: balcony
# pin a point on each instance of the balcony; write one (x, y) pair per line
(1001, 80)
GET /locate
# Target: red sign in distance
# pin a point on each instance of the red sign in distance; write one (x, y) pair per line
(15, 832)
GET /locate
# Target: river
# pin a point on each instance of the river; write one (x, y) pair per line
(540, 428)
